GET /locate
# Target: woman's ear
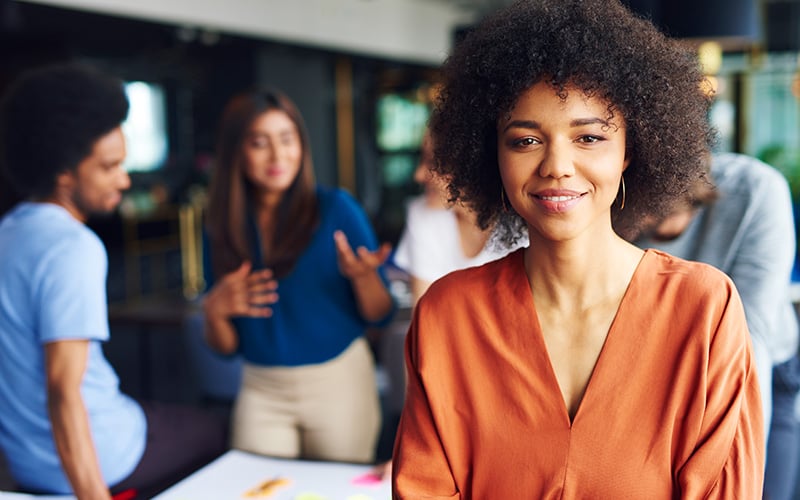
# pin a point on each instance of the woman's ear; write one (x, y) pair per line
(628, 151)
(65, 181)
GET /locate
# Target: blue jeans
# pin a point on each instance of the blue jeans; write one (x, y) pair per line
(784, 433)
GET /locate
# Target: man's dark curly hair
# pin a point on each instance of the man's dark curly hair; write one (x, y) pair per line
(50, 119)
(599, 47)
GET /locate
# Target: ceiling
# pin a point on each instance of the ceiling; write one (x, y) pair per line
(405, 30)
(478, 7)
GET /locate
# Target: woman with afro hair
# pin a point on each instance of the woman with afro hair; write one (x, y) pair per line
(580, 366)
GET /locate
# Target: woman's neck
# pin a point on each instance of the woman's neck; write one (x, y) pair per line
(471, 238)
(265, 208)
(580, 273)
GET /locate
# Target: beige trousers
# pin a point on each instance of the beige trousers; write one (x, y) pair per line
(328, 411)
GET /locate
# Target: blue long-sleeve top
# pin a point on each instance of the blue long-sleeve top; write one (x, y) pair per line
(316, 317)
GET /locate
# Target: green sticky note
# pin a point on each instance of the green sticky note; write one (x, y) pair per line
(310, 496)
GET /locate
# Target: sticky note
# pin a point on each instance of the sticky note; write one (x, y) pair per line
(310, 496)
(368, 479)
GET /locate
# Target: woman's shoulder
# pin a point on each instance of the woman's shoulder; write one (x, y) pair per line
(667, 263)
(335, 194)
(688, 280)
(433, 226)
(336, 199)
(691, 297)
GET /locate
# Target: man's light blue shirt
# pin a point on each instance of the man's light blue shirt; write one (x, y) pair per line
(53, 288)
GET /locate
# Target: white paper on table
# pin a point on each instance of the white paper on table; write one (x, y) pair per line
(236, 472)
(8, 495)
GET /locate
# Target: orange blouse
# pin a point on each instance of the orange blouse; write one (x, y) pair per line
(672, 409)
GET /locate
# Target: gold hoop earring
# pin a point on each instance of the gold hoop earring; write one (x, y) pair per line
(503, 199)
(622, 182)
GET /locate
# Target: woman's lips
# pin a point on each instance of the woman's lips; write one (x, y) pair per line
(275, 171)
(558, 201)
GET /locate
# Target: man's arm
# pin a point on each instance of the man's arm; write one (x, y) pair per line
(65, 364)
(763, 264)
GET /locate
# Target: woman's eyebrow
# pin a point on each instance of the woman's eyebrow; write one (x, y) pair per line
(579, 122)
(534, 125)
(530, 124)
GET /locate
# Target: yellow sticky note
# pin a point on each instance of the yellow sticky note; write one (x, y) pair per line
(266, 488)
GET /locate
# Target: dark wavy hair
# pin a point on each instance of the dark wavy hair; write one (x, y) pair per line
(50, 119)
(230, 192)
(607, 52)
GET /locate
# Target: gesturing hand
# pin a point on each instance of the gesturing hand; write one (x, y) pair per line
(242, 293)
(356, 264)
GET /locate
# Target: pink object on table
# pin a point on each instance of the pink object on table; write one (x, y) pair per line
(368, 479)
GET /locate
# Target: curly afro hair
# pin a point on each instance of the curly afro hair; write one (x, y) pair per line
(601, 48)
(50, 119)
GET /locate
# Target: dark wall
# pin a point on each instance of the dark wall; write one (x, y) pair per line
(196, 76)
(783, 18)
(702, 18)
(307, 77)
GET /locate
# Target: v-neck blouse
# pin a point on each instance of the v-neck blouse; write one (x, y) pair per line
(672, 408)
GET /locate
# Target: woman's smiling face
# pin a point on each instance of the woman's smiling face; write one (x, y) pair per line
(273, 152)
(561, 161)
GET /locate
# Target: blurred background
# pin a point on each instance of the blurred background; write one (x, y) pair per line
(363, 73)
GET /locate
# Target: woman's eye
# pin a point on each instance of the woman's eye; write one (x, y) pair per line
(589, 139)
(525, 141)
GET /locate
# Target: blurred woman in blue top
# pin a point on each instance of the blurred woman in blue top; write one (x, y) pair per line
(289, 291)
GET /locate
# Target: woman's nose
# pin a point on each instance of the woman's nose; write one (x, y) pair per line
(557, 162)
(422, 175)
(123, 180)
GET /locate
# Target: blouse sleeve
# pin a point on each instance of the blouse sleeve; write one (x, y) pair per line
(728, 460)
(420, 466)
(350, 218)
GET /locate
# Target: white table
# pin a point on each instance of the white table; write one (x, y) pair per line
(8, 495)
(236, 472)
